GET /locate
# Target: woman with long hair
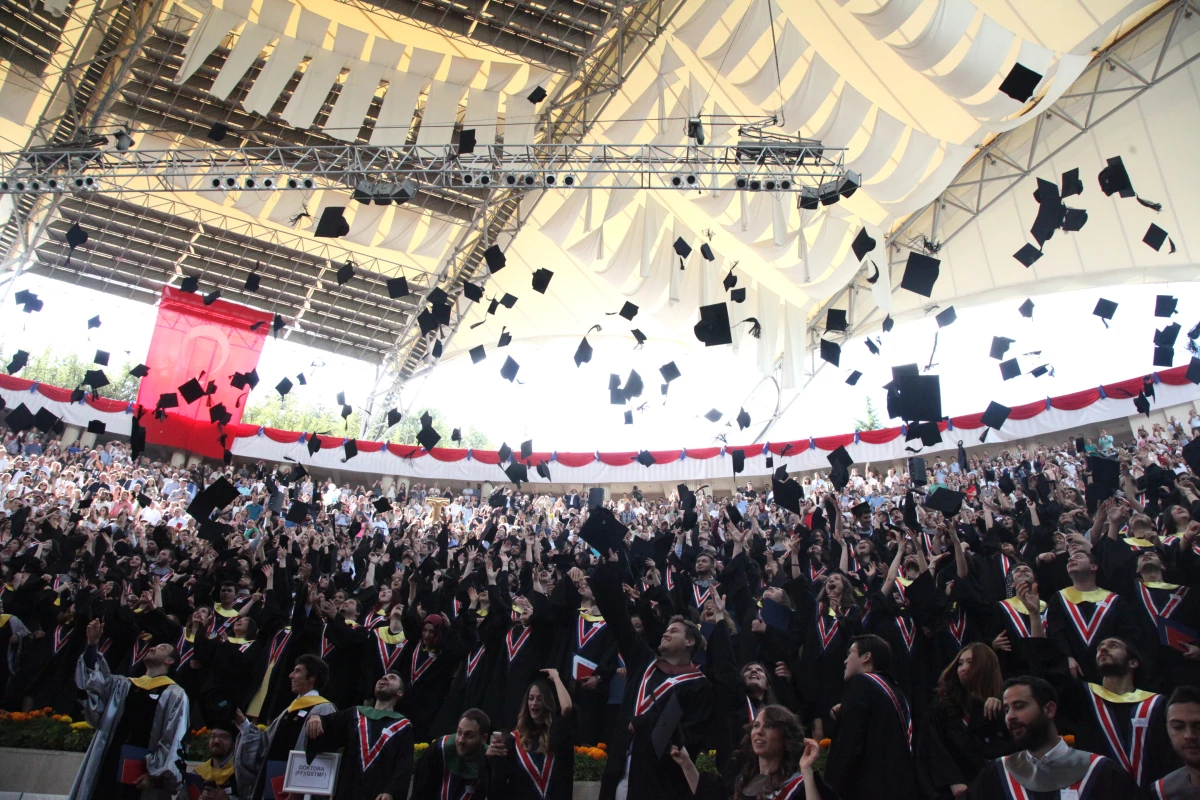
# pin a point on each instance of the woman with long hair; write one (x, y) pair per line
(537, 760)
(776, 761)
(964, 728)
(831, 622)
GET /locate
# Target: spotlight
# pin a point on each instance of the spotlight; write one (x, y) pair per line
(83, 184)
(785, 184)
(485, 179)
(550, 179)
(475, 179)
(528, 180)
(268, 183)
(742, 182)
(685, 180)
(510, 179)
(300, 183)
(122, 140)
(695, 130)
(231, 183)
(250, 183)
(53, 185)
(568, 181)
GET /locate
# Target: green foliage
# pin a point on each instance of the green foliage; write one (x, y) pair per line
(408, 428)
(871, 422)
(67, 369)
(44, 734)
(274, 411)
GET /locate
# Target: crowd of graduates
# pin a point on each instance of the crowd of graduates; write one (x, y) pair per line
(942, 626)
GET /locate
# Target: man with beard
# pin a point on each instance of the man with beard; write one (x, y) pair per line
(140, 726)
(261, 756)
(378, 742)
(872, 720)
(1183, 726)
(454, 767)
(1082, 615)
(1112, 718)
(214, 778)
(1046, 768)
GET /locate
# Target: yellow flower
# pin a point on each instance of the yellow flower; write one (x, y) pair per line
(419, 746)
(81, 726)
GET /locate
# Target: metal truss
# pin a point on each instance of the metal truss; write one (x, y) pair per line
(770, 167)
(628, 34)
(1116, 77)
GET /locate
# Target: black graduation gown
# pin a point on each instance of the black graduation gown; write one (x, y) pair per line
(526, 654)
(377, 754)
(1079, 627)
(821, 677)
(1106, 781)
(427, 676)
(1159, 606)
(342, 645)
(650, 778)
(479, 683)
(529, 776)
(953, 748)
(434, 781)
(871, 755)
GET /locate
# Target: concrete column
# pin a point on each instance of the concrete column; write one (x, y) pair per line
(178, 458)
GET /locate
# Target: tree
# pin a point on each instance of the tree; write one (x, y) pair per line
(871, 421)
(410, 425)
(67, 370)
(289, 415)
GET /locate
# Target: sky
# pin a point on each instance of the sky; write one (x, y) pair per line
(562, 407)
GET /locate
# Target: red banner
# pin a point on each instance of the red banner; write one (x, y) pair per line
(208, 343)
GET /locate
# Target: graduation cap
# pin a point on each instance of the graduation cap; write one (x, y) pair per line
(101, 358)
(542, 470)
(1026, 309)
(140, 371)
(645, 458)
(508, 300)
(840, 461)
(301, 379)
(517, 473)
(862, 244)
(526, 449)
(920, 397)
(739, 460)
(996, 415)
(75, 237)
(1009, 369)
(628, 417)
(947, 501)
(1155, 236)
(831, 352)
(212, 297)
(541, 280)
(639, 337)
(95, 378)
(888, 324)
(456, 435)
(382, 505)
(602, 530)
(738, 295)
(427, 321)
(1027, 255)
(94, 322)
(494, 258)
(350, 447)
(314, 444)
(1000, 345)
(928, 432)
(628, 311)
(28, 301)
(1105, 310)
(853, 379)
(283, 387)
(504, 453)
(743, 420)
(1142, 404)
(874, 348)
(19, 360)
(509, 370)
(537, 95)
(168, 400)
(1074, 219)
(1191, 453)
(730, 280)
(345, 272)
(191, 391)
(946, 317)
(77, 396)
(1168, 335)
(788, 494)
(707, 252)
(1020, 82)
(1193, 370)
(713, 327)
(1050, 211)
(1115, 179)
(713, 415)
(189, 284)
(1164, 356)
(835, 320)
(277, 325)
(393, 417)
(19, 419)
(1039, 371)
(682, 249)
(219, 414)
(471, 291)
(253, 280)
(920, 274)
(332, 224)
(427, 436)
(219, 494)
(478, 353)
(505, 338)
(346, 411)
(297, 512)
(633, 385)
(1165, 305)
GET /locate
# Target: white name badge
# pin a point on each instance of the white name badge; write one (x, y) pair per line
(303, 713)
(1068, 794)
(1141, 722)
(318, 778)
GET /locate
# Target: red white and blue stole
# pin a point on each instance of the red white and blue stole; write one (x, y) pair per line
(702, 596)
(908, 630)
(473, 659)
(278, 643)
(1174, 600)
(670, 578)
(389, 646)
(792, 790)
(214, 630)
(184, 650)
(447, 792)
(375, 620)
(813, 574)
(141, 648)
(540, 776)
(1015, 791)
(585, 630)
(1130, 754)
(826, 630)
(1087, 629)
(514, 646)
(647, 697)
(751, 711)
(1017, 618)
(897, 703)
(62, 635)
(369, 751)
(419, 669)
(956, 623)
(326, 645)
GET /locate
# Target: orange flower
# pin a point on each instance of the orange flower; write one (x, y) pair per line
(597, 754)
(36, 714)
(1070, 740)
(47, 710)
(602, 746)
(19, 716)
(825, 742)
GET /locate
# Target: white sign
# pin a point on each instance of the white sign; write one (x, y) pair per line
(318, 778)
